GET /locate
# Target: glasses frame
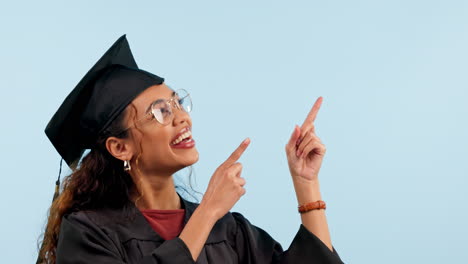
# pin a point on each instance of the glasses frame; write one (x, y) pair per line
(171, 103)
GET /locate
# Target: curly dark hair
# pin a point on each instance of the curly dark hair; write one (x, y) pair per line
(98, 182)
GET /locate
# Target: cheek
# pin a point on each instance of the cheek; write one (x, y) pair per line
(157, 154)
(156, 145)
(156, 149)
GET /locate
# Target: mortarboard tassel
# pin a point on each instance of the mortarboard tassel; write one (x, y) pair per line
(57, 183)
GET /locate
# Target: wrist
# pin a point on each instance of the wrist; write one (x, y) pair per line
(207, 213)
(307, 191)
(304, 180)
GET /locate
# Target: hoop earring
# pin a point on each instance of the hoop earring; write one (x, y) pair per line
(127, 166)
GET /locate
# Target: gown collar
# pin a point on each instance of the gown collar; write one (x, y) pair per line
(133, 225)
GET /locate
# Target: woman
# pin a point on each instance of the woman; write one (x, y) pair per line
(120, 205)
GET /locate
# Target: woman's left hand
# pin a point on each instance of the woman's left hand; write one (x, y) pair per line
(304, 150)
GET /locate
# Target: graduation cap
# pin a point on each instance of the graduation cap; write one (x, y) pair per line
(101, 95)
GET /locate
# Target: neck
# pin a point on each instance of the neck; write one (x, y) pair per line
(156, 192)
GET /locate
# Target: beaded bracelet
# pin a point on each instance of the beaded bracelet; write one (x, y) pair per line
(312, 206)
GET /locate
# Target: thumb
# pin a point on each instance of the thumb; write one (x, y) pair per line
(294, 137)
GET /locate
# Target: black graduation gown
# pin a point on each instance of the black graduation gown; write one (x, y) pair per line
(124, 236)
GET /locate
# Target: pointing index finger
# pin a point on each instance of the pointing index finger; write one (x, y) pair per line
(313, 112)
(238, 152)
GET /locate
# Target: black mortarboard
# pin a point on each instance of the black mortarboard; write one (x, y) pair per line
(103, 93)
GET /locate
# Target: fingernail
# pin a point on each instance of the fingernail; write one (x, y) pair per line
(246, 141)
(298, 153)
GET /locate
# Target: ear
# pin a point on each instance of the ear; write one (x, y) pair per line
(119, 148)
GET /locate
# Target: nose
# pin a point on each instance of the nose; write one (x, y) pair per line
(180, 116)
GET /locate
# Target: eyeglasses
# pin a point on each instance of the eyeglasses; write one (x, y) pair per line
(162, 110)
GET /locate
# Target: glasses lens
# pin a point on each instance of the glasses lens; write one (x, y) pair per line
(162, 112)
(184, 100)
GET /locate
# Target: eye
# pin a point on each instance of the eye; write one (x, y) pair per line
(165, 111)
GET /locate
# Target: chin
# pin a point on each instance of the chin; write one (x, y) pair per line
(194, 157)
(190, 158)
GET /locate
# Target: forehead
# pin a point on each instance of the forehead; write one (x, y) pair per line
(151, 94)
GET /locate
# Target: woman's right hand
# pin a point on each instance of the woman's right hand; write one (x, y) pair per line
(224, 190)
(226, 185)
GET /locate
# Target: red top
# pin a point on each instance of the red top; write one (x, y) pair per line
(167, 223)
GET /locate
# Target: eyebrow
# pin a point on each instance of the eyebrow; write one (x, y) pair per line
(157, 101)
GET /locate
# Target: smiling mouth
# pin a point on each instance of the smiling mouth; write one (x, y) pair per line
(183, 137)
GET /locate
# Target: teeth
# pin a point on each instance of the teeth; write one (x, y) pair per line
(182, 137)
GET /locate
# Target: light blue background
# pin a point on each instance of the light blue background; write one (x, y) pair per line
(394, 79)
